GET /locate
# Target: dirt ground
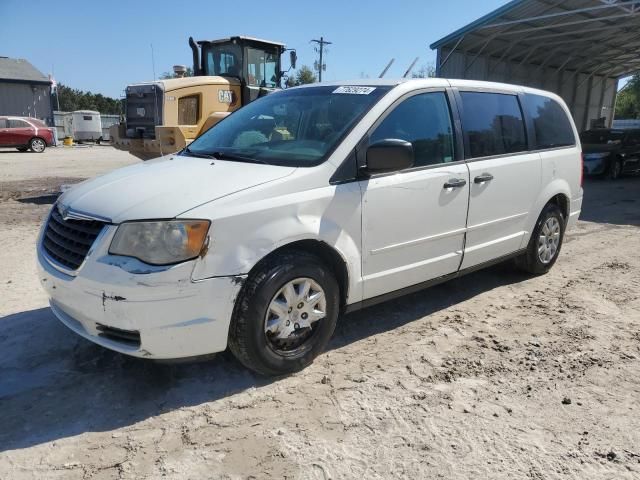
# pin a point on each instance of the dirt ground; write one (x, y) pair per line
(495, 375)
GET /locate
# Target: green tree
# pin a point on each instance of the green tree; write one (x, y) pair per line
(169, 75)
(71, 99)
(303, 76)
(628, 100)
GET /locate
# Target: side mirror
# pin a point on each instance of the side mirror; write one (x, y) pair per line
(389, 156)
(293, 58)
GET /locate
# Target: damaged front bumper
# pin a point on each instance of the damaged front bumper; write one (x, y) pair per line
(141, 310)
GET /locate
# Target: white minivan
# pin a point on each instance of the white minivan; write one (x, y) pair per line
(306, 204)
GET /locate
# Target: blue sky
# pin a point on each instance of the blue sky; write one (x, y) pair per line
(102, 46)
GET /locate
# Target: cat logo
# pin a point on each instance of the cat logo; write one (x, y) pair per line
(225, 96)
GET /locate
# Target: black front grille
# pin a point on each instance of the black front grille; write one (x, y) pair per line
(129, 337)
(69, 241)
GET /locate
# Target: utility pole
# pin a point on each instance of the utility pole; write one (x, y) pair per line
(322, 42)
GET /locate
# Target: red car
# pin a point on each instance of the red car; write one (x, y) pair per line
(25, 133)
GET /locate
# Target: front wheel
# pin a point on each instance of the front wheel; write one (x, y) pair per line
(37, 145)
(545, 242)
(285, 314)
(615, 169)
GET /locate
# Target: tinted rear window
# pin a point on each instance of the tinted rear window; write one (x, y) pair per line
(551, 124)
(493, 123)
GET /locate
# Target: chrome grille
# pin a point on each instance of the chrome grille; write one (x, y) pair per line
(69, 241)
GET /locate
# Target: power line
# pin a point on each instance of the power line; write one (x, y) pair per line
(321, 66)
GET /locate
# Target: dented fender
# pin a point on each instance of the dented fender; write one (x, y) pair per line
(246, 230)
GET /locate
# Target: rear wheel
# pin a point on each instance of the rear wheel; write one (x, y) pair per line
(285, 314)
(545, 242)
(37, 145)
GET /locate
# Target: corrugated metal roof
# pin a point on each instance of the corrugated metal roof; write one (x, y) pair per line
(20, 69)
(589, 36)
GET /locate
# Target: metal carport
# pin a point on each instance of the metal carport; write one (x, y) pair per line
(576, 48)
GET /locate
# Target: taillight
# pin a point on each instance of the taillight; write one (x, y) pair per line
(581, 170)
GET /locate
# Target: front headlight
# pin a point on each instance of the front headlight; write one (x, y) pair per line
(160, 242)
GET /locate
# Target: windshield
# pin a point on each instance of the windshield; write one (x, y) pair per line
(297, 127)
(601, 137)
(223, 59)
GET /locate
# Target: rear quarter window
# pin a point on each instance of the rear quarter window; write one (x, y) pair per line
(551, 124)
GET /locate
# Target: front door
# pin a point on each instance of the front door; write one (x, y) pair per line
(413, 221)
(505, 178)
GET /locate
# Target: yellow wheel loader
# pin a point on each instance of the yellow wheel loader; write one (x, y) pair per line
(164, 116)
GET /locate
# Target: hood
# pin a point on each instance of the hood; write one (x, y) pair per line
(599, 147)
(165, 187)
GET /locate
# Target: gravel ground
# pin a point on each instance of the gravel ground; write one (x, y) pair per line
(495, 375)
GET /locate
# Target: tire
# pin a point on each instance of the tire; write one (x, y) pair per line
(22, 149)
(37, 145)
(615, 169)
(264, 351)
(537, 259)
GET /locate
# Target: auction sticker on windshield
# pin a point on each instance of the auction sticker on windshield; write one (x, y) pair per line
(355, 90)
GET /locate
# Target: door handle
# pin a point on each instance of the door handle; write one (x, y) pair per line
(485, 177)
(455, 183)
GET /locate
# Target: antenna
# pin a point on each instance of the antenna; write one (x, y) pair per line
(387, 67)
(153, 62)
(413, 64)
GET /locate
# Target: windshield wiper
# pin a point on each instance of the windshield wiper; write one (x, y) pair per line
(191, 153)
(236, 158)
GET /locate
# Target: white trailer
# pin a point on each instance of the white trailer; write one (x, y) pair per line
(86, 125)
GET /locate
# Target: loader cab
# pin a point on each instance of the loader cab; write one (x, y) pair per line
(256, 63)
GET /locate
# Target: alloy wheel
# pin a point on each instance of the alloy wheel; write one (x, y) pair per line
(549, 240)
(37, 145)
